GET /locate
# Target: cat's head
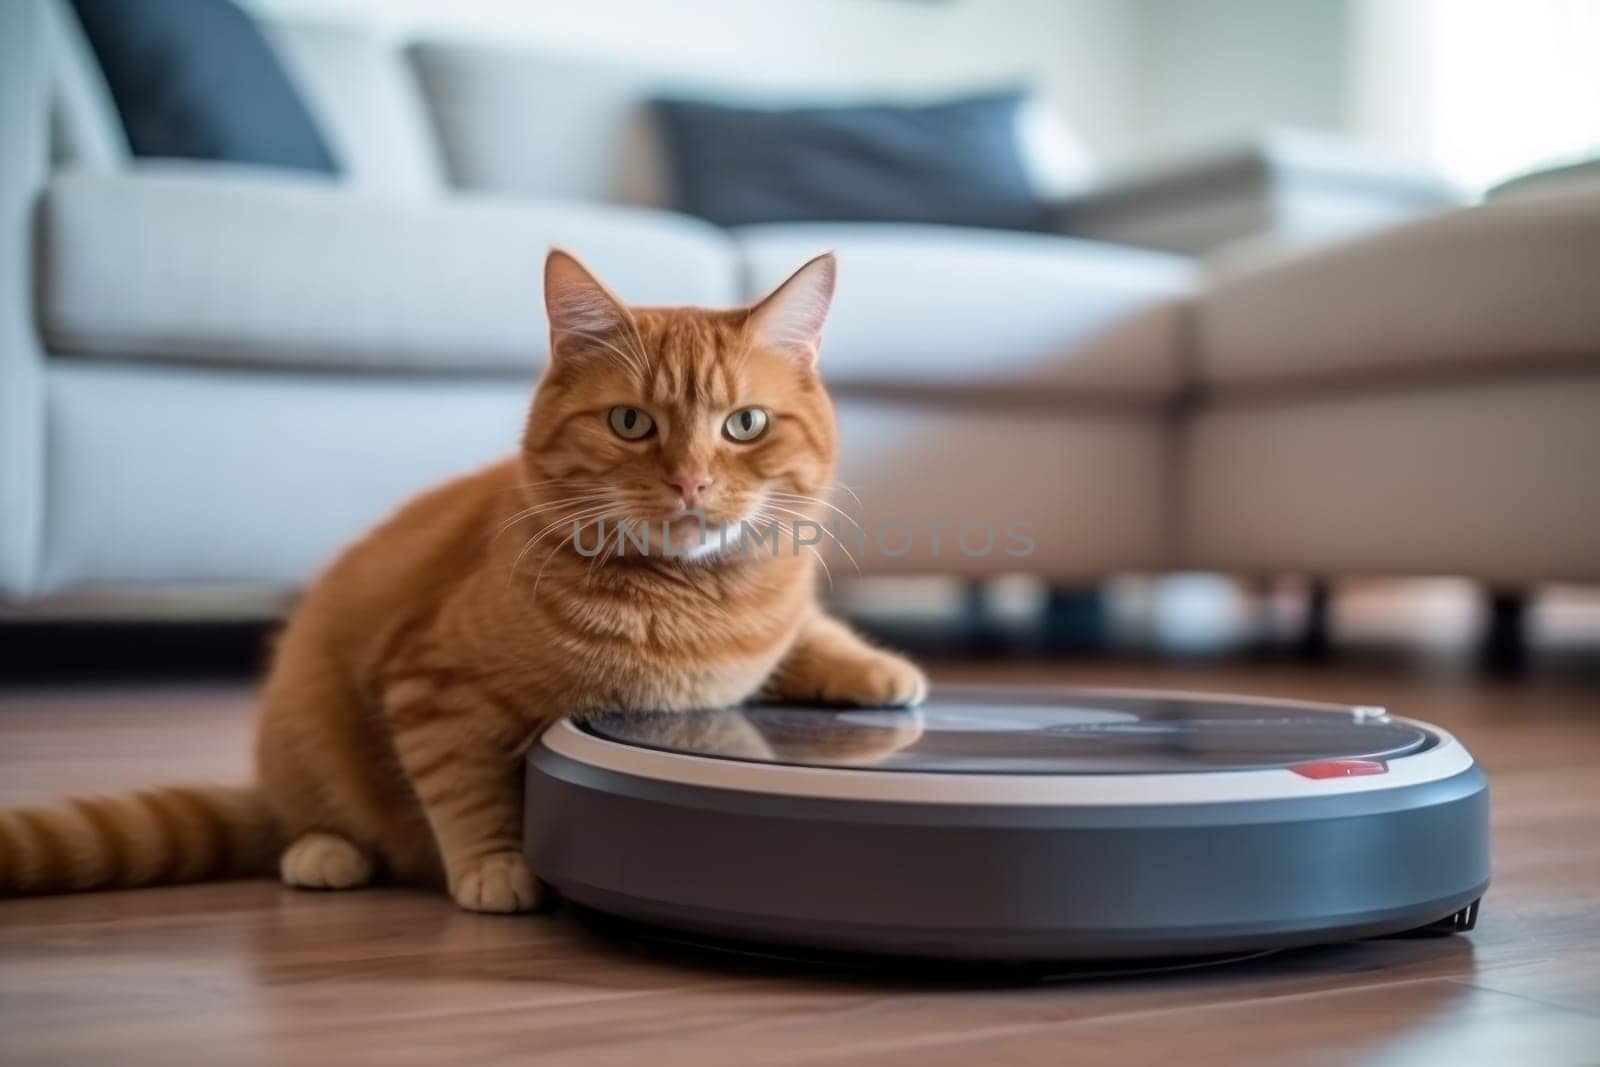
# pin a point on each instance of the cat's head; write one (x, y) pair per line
(647, 414)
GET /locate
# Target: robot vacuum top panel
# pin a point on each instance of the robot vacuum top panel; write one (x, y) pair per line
(1078, 733)
(1002, 747)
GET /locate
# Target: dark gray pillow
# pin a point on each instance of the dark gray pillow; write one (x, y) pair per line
(957, 162)
(195, 79)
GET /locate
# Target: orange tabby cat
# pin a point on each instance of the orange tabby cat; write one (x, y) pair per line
(422, 664)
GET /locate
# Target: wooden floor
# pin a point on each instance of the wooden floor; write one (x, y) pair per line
(253, 973)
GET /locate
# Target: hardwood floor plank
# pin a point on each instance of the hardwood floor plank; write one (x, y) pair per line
(1434, 1022)
(250, 972)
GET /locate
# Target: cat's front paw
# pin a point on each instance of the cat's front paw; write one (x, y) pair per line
(881, 680)
(500, 883)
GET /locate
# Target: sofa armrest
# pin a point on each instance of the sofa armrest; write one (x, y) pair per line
(25, 79)
(1288, 185)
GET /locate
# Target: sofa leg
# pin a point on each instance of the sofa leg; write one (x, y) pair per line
(1075, 618)
(982, 638)
(1263, 639)
(1316, 636)
(1504, 645)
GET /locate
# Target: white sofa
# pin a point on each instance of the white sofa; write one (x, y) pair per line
(210, 377)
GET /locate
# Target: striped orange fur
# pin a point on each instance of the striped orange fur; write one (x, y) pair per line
(423, 662)
(162, 835)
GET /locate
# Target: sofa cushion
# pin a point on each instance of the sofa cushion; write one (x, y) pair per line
(364, 96)
(1546, 181)
(935, 307)
(272, 269)
(183, 475)
(1502, 287)
(497, 111)
(1291, 184)
(955, 161)
(1484, 479)
(197, 79)
(85, 128)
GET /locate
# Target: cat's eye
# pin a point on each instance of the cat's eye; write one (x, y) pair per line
(630, 424)
(746, 424)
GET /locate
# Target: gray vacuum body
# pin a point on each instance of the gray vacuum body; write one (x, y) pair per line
(1015, 825)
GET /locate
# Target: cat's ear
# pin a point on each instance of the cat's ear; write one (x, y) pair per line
(790, 317)
(576, 302)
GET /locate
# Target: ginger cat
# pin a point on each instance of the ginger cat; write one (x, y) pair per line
(424, 661)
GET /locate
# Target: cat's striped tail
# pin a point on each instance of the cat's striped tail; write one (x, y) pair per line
(157, 836)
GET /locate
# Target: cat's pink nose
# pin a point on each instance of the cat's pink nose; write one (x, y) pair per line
(690, 484)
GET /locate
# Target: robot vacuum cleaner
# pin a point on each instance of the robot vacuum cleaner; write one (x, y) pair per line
(1014, 825)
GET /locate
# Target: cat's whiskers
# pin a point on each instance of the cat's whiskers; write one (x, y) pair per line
(593, 511)
(605, 554)
(830, 534)
(519, 486)
(577, 528)
(548, 486)
(785, 528)
(802, 498)
(525, 513)
(841, 485)
(826, 573)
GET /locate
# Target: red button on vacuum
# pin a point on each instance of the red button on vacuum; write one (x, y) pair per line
(1340, 768)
